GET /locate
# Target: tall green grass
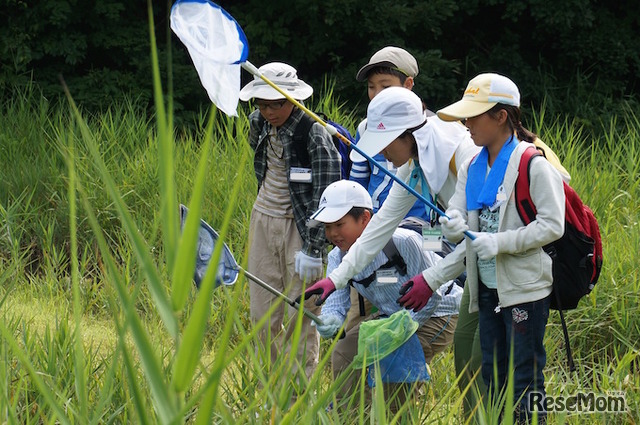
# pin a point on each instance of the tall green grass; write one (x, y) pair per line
(53, 370)
(89, 235)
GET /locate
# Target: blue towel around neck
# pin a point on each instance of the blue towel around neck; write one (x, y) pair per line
(481, 193)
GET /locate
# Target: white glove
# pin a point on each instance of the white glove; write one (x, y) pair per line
(308, 268)
(330, 326)
(454, 226)
(485, 244)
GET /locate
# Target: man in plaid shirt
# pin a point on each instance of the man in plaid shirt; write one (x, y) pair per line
(282, 249)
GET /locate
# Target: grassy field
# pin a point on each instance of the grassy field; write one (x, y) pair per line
(100, 320)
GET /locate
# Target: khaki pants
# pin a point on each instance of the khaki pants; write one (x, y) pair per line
(435, 335)
(273, 242)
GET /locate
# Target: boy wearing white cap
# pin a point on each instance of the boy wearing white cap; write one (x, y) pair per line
(346, 209)
(509, 274)
(282, 249)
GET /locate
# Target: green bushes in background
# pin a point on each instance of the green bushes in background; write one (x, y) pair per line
(580, 55)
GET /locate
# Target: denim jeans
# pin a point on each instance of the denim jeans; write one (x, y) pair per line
(522, 325)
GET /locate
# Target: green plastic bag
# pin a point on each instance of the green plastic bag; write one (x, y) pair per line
(379, 338)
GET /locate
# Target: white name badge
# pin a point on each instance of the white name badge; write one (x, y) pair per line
(432, 238)
(501, 196)
(300, 175)
(386, 277)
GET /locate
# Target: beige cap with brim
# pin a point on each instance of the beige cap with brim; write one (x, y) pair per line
(393, 57)
(483, 93)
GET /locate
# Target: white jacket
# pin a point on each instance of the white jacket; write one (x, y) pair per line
(400, 201)
(523, 269)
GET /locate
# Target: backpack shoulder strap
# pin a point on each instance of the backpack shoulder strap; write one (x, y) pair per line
(524, 203)
(301, 138)
(395, 259)
(261, 121)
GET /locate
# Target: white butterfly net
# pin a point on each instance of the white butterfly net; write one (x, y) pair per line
(217, 45)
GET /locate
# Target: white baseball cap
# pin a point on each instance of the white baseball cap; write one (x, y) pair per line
(483, 93)
(390, 113)
(393, 57)
(282, 75)
(338, 199)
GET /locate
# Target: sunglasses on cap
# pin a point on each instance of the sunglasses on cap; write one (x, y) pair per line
(274, 105)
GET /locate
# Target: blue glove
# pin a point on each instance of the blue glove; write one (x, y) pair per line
(454, 226)
(485, 245)
(308, 268)
(330, 326)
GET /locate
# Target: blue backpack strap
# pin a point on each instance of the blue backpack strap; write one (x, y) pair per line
(343, 148)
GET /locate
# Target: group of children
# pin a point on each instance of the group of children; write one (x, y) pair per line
(464, 160)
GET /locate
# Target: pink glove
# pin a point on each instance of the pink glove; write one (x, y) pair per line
(323, 287)
(415, 293)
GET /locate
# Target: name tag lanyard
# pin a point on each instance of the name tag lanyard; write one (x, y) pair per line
(431, 234)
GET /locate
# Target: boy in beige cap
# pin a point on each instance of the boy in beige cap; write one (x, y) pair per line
(390, 66)
(395, 67)
(384, 65)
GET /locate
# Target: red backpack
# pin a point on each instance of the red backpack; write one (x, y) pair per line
(577, 255)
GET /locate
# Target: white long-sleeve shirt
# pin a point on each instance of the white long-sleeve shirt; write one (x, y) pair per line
(434, 134)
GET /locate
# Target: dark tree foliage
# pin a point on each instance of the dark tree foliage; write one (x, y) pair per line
(573, 52)
(578, 56)
(101, 48)
(334, 38)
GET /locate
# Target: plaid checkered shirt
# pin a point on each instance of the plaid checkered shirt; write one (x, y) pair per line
(325, 169)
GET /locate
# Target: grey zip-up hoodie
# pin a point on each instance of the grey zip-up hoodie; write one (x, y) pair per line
(523, 269)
